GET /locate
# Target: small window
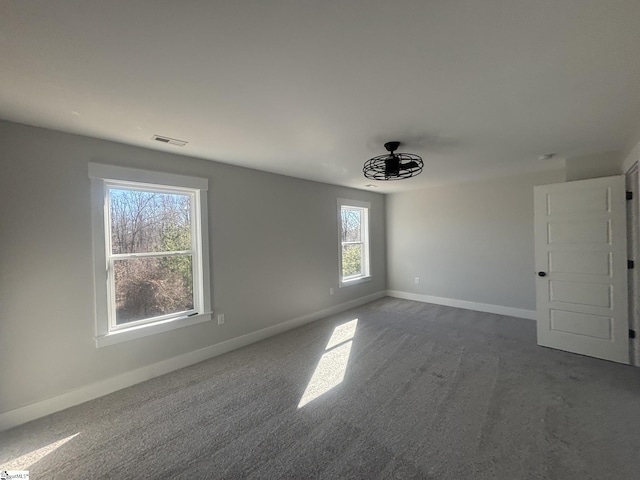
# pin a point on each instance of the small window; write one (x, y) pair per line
(150, 244)
(354, 241)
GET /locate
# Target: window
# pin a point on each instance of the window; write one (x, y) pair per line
(151, 252)
(354, 241)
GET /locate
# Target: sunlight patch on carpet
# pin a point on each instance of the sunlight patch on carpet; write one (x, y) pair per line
(333, 364)
(25, 461)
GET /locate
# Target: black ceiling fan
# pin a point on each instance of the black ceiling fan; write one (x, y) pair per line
(393, 166)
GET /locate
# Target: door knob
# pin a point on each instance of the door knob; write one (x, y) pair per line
(542, 274)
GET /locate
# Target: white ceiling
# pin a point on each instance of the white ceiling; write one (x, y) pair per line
(312, 88)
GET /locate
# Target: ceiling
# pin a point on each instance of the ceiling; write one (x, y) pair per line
(313, 88)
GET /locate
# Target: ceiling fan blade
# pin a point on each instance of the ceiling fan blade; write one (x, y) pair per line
(408, 165)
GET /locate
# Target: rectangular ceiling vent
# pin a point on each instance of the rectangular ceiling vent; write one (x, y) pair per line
(171, 141)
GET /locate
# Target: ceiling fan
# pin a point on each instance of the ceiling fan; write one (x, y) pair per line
(393, 166)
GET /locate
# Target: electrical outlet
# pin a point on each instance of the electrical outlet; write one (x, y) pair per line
(331, 291)
(220, 318)
(416, 280)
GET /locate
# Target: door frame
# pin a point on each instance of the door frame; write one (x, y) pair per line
(632, 182)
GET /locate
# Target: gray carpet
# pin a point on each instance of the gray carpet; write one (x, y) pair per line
(428, 392)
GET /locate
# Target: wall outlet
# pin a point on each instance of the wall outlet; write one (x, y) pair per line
(416, 280)
(220, 318)
(331, 291)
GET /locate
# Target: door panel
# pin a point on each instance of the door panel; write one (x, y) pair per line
(585, 263)
(593, 200)
(580, 293)
(581, 324)
(580, 237)
(579, 231)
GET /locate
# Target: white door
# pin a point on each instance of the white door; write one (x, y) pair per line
(581, 267)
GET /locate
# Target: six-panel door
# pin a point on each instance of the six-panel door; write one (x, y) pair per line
(581, 267)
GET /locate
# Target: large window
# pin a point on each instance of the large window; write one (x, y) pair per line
(354, 241)
(150, 244)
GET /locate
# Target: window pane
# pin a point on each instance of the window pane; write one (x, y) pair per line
(150, 287)
(149, 221)
(351, 224)
(351, 260)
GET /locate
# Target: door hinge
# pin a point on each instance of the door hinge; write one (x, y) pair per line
(632, 334)
(631, 264)
(629, 195)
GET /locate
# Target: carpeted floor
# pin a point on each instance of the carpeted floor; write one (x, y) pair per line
(428, 392)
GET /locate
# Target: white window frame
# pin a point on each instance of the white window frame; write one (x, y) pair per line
(365, 276)
(104, 177)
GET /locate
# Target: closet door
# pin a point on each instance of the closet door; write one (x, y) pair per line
(581, 267)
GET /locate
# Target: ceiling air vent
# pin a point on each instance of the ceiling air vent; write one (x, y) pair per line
(172, 141)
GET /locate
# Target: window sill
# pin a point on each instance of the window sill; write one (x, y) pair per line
(150, 329)
(354, 281)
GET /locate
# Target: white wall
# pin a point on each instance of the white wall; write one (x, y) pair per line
(598, 165)
(273, 246)
(470, 242)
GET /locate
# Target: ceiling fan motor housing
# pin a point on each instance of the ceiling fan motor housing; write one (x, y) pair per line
(391, 146)
(392, 166)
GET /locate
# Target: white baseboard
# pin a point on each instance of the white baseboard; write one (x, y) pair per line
(36, 410)
(452, 302)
